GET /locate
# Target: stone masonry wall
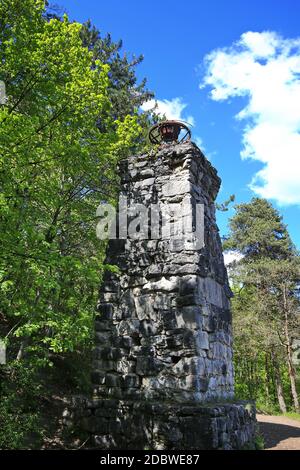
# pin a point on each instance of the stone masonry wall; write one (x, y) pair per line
(162, 371)
(115, 424)
(164, 326)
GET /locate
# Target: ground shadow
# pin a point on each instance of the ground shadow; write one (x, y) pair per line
(274, 433)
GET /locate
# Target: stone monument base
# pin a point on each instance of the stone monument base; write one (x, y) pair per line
(115, 424)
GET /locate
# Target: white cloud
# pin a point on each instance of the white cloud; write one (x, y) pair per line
(231, 256)
(172, 109)
(264, 68)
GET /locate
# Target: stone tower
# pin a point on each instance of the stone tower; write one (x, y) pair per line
(163, 357)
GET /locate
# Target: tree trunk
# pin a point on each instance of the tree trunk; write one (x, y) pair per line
(268, 377)
(292, 376)
(278, 383)
(25, 341)
(22, 348)
(291, 369)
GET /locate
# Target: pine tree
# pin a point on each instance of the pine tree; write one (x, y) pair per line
(257, 231)
(270, 268)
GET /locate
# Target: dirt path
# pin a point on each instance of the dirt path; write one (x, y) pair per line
(280, 433)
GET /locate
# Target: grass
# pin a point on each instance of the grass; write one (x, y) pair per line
(271, 410)
(292, 415)
(267, 409)
(259, 441)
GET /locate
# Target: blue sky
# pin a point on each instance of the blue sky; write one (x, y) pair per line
(246, 58)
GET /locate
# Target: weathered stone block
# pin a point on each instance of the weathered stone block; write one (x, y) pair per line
(144, 183)
(144, 307)
(185, 300)
(113, 380)
(175, 187)
(131, 381)
(106, 310)
(163, 284)
(98, 377)
(190, 366)
(108, 353)
(100, 364)
(102, 339)
(126, 366)
(102, 325)
(122, 342)
(189, 317)
(188, 285)
(147, 366)
(202, 340)
(148, 328)
(128, 327)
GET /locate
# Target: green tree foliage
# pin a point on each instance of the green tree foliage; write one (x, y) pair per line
(266, 303)
(125, 93)
(55, 168)
(19, 393)
(257, 230)
(224, 206)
